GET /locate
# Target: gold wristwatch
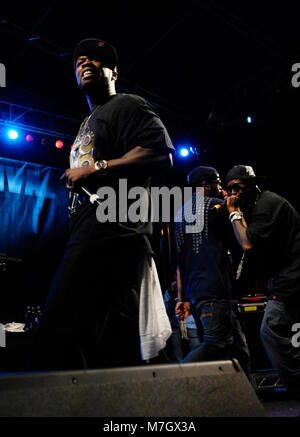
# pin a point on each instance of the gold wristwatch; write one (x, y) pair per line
(101, 165)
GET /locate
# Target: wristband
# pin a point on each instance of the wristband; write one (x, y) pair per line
(235, 215)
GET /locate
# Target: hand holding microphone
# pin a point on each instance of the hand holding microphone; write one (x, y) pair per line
(232, 204)
(72, 178)
(72, 175)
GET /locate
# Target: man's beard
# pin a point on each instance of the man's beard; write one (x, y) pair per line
(217, 194)
(95, 88)
(246, 200)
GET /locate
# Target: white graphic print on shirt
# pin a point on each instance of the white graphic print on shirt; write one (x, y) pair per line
(82, 150)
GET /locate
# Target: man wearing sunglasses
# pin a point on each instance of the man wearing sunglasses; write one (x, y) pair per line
(204, 275)
(267, 227)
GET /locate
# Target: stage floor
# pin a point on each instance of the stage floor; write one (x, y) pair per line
(280, 405)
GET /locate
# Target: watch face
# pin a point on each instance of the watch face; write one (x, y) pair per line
(100, 165)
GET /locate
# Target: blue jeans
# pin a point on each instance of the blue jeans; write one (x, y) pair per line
(240, 349)
(276, 334)
(178, 351)
(193, 338)
(216, 320)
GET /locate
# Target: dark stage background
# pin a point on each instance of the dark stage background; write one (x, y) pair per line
(205, 65)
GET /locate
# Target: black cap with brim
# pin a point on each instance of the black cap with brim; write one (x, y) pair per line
(243, 172)
(201, 173)
(95, 46)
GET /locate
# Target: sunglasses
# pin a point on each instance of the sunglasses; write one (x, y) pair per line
(236, 187)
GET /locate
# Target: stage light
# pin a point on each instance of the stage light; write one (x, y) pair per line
(184, 152)
(29, 138)
(12, 134)
(194, 150)
(59, 144)
(249, 119)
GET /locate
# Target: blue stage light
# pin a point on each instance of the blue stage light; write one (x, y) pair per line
(12, 134)
(184, 152)
(249, 119)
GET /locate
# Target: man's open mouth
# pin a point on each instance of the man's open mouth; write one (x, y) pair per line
(87, 73)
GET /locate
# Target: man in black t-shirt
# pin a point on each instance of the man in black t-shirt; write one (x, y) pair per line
(91, 317)
(267, 228)
(204, 278)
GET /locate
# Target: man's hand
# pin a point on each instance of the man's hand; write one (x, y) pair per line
(72, 176)
(224, 194)
(239, 225)
(232, 204)
(182, 310)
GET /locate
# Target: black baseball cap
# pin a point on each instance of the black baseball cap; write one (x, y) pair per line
(244, 172)
(202, 173)
(96, 46)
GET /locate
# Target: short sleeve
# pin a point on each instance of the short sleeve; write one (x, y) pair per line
(145, 128)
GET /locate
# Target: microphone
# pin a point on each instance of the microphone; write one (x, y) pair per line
(92, 197)
(76, 201)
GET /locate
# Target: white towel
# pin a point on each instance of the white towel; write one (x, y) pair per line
(154, 324)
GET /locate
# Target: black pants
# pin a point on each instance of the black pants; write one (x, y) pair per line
(91, 315)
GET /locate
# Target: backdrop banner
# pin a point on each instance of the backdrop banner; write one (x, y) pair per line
(33, 217)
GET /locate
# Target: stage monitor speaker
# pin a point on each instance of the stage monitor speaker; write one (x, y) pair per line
(208, 389)
(251, 313)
